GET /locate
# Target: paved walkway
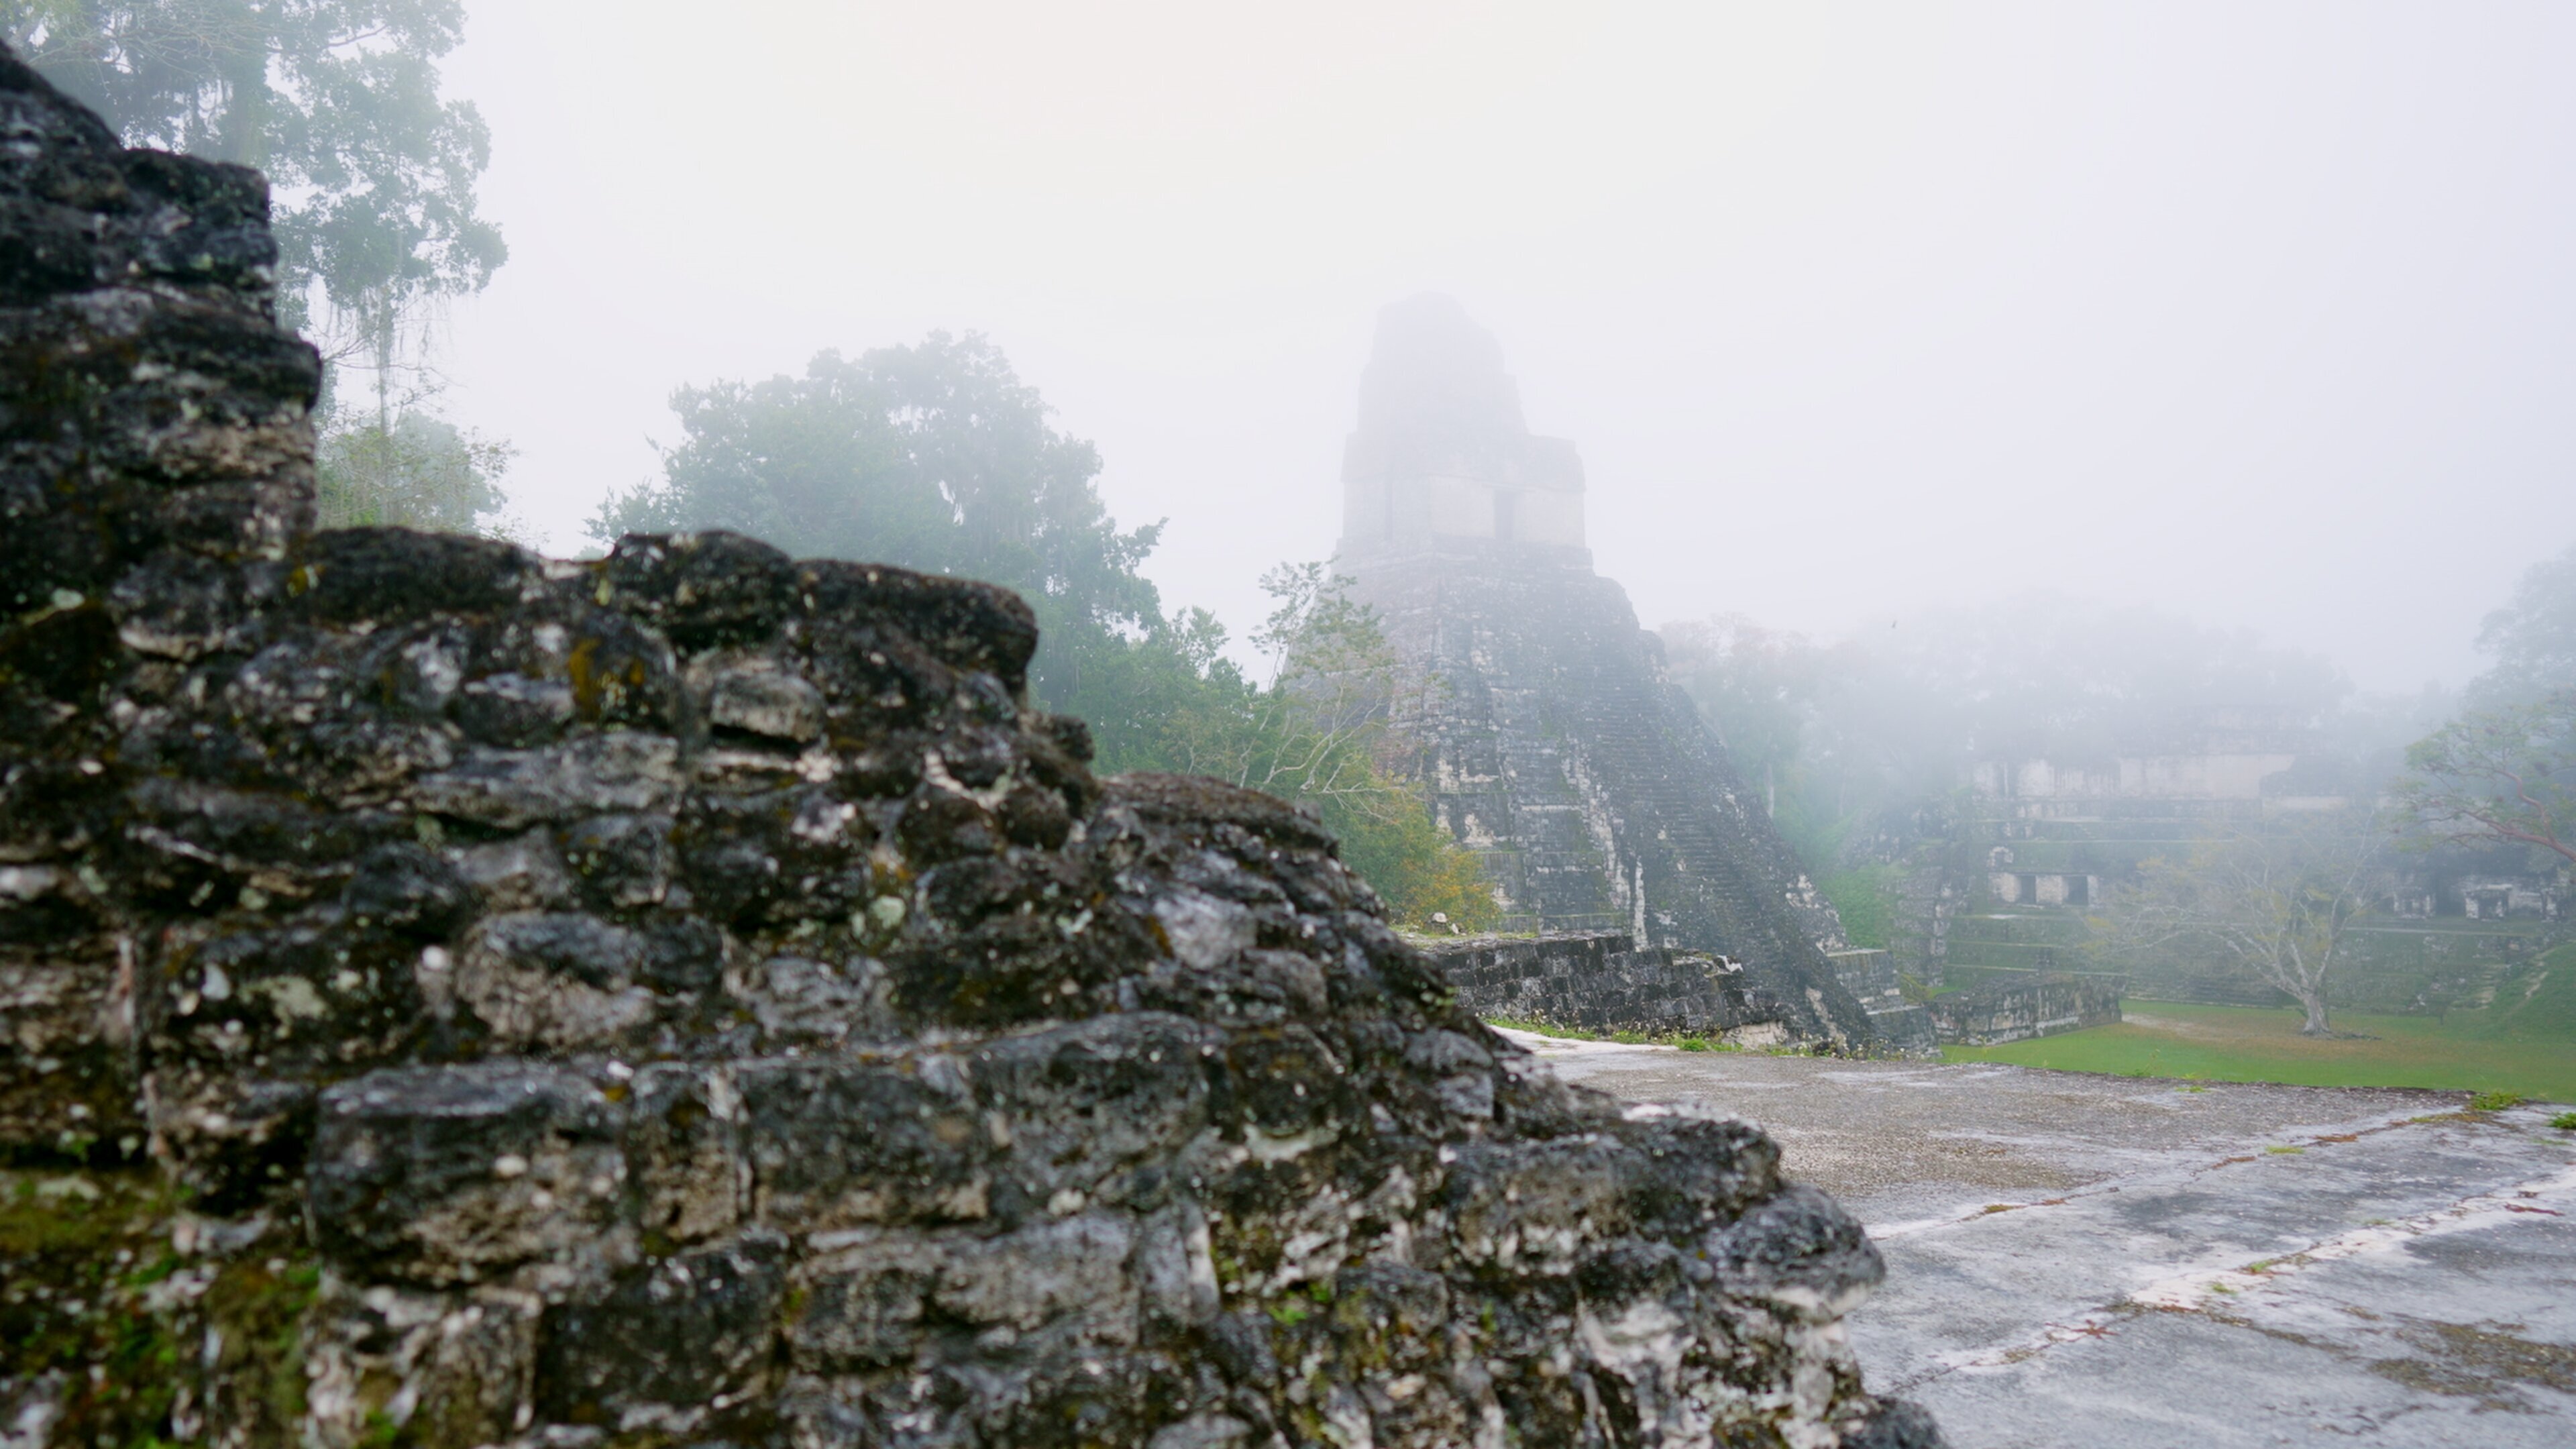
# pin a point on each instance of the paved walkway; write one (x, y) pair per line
(2107, 1261)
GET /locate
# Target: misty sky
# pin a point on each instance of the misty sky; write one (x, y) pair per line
(2258, 312)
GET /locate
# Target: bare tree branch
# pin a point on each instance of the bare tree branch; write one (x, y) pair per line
(2277, 904)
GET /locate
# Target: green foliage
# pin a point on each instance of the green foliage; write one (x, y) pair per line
(2250, 1044)
(2533, 637)
(1416, 867)
(2564, 1121)
(2539, 1008)
(937, 457)
(2496, 1101)
(1169, 700)
(1317, 736)
(2504, 774)
(1864, 898)
(337, 100)
(2504, 771)
(82, 1254)
(418, 471)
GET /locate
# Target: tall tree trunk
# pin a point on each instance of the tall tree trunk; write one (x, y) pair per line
(241, 131)
(2315, 1002)
(383, 340)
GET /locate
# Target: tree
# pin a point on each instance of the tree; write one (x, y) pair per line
(1168, 700)
(1316, 728)
(421, 472)
(2278, 905)
(936, 457)
(2505, 774)
(1314, 734)
(1317, 736)
(1755, 686)
(2504, 771)
(337, 100)
(2533, 637)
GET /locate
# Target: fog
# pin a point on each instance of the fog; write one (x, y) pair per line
(2257, 314)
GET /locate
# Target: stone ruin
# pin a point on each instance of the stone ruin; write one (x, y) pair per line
(1551, 738)
(2041, 1003)
(1599, 982)
(456, 997)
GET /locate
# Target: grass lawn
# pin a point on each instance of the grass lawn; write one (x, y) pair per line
(2526, 1045)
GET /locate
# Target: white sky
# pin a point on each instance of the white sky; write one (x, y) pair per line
(2259, 312)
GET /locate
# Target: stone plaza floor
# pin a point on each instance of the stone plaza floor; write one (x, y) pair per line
(2111, 1261)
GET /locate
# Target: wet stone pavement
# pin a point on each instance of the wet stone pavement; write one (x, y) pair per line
(2106, 1261)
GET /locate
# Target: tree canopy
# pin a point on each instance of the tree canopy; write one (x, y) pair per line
(2533, 637)
(418, 471)
(2279, 905)
(2505, 774)
(1317, 735)
(2504, 771)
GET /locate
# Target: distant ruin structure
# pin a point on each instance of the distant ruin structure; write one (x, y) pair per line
(1550, 738)
(1994, 890)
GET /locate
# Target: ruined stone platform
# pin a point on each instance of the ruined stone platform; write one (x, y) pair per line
(451, 997)
(2067, 1253)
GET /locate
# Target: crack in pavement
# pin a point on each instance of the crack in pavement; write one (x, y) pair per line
(2158, 1177)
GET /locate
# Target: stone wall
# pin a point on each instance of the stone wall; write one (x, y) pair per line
(2015, 1010)
(455, 997)
(1602, 981)
(1599, 981)
(2004, 880)
(1870, 975)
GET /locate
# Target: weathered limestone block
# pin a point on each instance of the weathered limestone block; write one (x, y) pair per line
(460, 998)
(1995, 1012)
(447, 1174)
(1601, 981)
